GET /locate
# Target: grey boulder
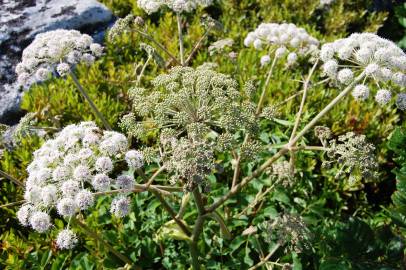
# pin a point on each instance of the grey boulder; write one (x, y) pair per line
(21, 20)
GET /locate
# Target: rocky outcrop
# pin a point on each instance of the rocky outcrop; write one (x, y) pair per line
(21, 20)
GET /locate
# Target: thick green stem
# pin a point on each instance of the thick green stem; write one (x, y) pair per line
(171, 212)
(199, 202)
(258, 111)
(89, 100)
(181, 49)
(197, 229)
(194, 253)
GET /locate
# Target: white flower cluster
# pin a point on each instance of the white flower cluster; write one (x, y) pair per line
(326, 3)
(281, 39)
(178, 6)
(67, 170)
(379, 61)
(56, 50)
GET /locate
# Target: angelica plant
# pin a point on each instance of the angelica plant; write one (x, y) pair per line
(193, 116)
(57, 52)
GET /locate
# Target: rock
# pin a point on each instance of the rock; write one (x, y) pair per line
(21, 20)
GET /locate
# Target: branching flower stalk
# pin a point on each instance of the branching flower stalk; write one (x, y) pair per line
(299, 114)
(159, 45)
(182, 224)
(284, 150)
(237, 168)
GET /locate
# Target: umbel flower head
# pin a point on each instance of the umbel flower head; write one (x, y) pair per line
(378, 61)
(196, 112)
(67, 170)
(281, 40)
(56, 50)
(178, 6)
(353, 156)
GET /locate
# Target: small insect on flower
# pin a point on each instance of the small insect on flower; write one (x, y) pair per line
(134, 159)
(66, 207)
(101, 182)
(40, 221)
(104, 164)
(66, 239)
(84, 199)
(120, 206)
(360, 92)
(383, 96)
(24, 214)
(125, 182)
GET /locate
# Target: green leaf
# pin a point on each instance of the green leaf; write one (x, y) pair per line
(283, 122)
(297, 264)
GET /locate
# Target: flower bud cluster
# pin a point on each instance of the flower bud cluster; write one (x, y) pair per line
(56, 50)
(178, 6)
(196, 112)
(283, 171)
(353, 155)
(66, 172)
(123, 25)
(283, 40)
(290, 229)
(377, 60)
